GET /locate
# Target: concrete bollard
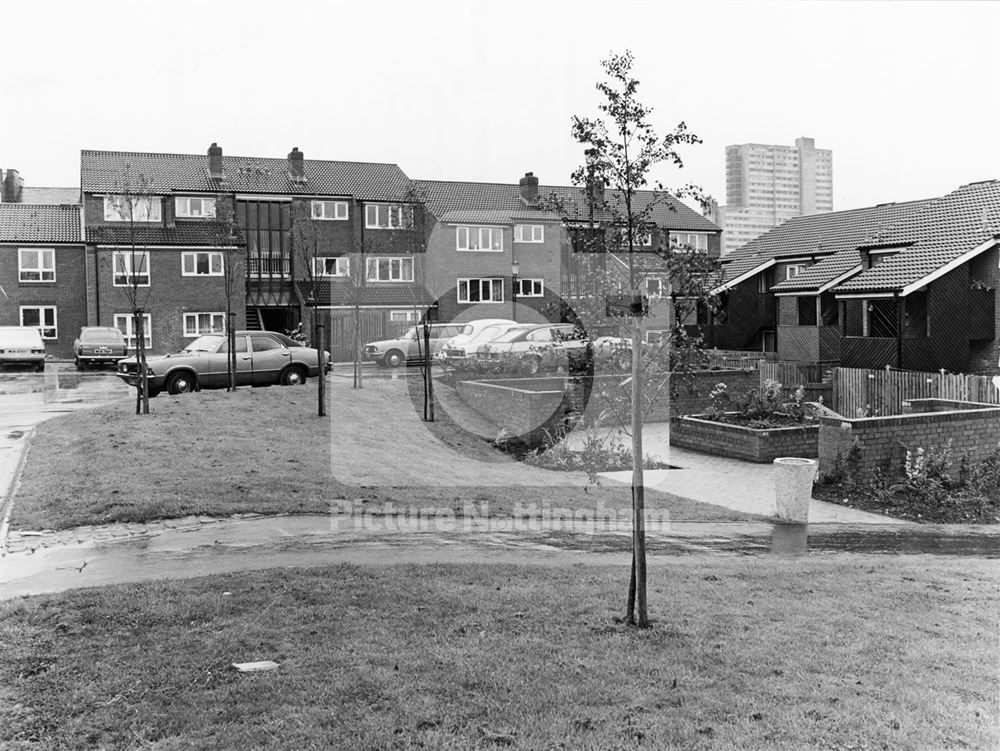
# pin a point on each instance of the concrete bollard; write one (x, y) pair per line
(793, 481)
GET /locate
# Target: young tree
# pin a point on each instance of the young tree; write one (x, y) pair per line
(229, 239)
(307, 262)
(134, 204)
(623, 148)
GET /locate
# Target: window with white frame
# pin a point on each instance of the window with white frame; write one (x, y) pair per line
(329, 210)
(193, 207)
(403, 316)
(136, 208)
(654, 287)
(196, 324)
(387, 216)
(696, 241)
(36, 265)
(201, 263)
(390, 269)
(530, 287)
(41, 317)
(480, 290)
(131, 267)
(125, 322)
(529, 233)
(329, 266)
(794, 270)
(643, 239)
(479, 238)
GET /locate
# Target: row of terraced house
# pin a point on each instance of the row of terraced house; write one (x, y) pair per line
(909, 285)
(341, 237)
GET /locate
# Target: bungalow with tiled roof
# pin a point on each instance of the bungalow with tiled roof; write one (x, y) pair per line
(815, 288)
(43, 272)
(351, 210)
(512, 250)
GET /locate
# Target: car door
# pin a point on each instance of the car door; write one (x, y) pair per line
(219, 367)
(269, 357)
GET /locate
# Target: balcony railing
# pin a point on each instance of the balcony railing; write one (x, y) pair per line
(268, 266)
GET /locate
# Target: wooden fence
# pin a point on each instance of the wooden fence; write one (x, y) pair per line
(374, 327)
(872, 393)
(723, 358)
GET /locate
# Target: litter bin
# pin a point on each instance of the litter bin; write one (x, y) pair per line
(793, 481)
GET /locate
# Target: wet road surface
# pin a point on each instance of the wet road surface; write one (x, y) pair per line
(312, 540)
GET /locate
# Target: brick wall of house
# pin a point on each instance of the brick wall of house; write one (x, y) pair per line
(169, 296)
(974, 431)
(68, 293)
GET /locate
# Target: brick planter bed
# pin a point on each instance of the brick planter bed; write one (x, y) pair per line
(739, 442)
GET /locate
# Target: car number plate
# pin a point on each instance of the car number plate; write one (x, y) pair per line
(16, 351)
(102, 351)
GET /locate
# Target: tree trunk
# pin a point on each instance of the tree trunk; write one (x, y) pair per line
(638, 483)
(142, 394)
(318, 339)
(231, 358)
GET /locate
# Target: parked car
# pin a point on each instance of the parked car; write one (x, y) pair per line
(561, 343)
(262, 358)
(473, 334)
(22, 345)
(409, 347)
(99, 345)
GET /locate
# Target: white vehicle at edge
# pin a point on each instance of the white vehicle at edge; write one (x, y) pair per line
(475, 333)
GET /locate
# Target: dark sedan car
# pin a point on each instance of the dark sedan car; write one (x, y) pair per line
(98, 345)
(262, 358)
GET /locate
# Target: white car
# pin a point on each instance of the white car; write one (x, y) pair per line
(548, 345)
(474, 334)
(22, 345)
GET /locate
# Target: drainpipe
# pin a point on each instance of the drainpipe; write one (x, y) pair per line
(900, 303)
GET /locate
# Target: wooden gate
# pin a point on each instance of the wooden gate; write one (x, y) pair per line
(374, 327)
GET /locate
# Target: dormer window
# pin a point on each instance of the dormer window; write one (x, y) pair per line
(387, 216)
(329, 210)
(119, 208)
(191, 207)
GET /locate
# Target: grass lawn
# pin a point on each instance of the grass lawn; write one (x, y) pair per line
(266, 451)
(839, 652)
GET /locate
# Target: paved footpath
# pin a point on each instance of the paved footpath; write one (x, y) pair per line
(735, 484)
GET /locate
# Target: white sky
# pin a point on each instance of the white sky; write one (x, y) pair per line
(905, 93)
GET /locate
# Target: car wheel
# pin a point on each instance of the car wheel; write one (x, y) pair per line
(182, 383)
(394, 358)
(293, 376)
(78, 363)
(40, 367)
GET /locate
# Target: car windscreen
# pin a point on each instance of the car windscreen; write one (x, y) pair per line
(208, 343)
(467, 329)
(102, 337)
(21, 337)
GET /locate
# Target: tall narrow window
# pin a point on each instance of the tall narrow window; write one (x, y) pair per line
(125, 322)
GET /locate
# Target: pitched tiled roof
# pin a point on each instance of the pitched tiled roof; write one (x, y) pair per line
(185, 233)
(51, 196)
(823, 272)
(103, 171)
(23, 222)
(668, 212)
(942, 232)
(821, 235)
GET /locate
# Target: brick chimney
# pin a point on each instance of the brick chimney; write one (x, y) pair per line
(296, 167)
(215, 162)
(529, 189)
(10, 191)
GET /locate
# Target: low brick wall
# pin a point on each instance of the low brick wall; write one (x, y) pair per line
(522, 406)
(974, 431)
(739, 442)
